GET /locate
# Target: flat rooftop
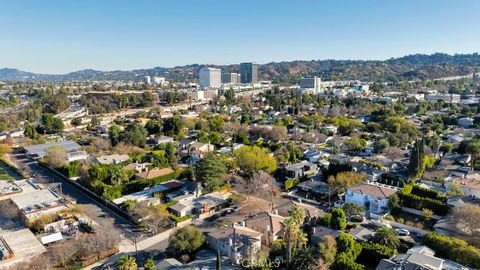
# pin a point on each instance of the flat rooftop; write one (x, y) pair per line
(36, 200)
(40, 149)
(23, 243)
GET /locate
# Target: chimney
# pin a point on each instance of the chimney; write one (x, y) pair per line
(314, 230)
(242, 223)
(275, 212)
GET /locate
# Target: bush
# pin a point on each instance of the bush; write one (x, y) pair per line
(389, 217)
(425, 192)
(373, 253)
(453, 249)
(418, 198)
(291, 183)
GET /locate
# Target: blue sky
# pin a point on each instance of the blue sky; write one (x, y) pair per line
(59, 36)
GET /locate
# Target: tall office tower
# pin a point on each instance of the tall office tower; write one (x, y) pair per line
(209, 77)
(147, 80)
(248, 72)
(230, 78)
(311, 82)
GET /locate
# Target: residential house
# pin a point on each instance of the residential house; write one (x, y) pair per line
(139, 167)
(373, 174)
(40, 150)
(465, 122)
(315, 187)
(339, 159)
(237, 242)
(37, 203)
(373, 197)
(153, 173)
(112, 159)
(303, 168)
(197, 150)
(418, 258)
(157, 140)
(205, 204)
(319, 233)
(270, 225)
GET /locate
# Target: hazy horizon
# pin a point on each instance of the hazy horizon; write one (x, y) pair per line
(58, 37)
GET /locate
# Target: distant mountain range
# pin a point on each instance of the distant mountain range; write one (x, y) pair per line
(417, 66)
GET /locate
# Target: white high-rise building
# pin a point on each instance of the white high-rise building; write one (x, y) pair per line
(158, 80)
(210, 77)
(311, 84)
(147, 80)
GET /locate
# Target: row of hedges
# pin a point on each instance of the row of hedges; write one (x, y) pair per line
(413, 196)
(141, 184)
(419, 203)
(373, 253)
(425, 192)
(453, 249)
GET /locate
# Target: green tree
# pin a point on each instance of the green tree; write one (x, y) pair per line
(345, 262)
(149, 264)
(114, 133)
(355, 144)
(51, 124)
(76, 121)
(252, 159)
(338, 220)
(230, 96)
(135, 135)
(327, 249)
(416, 163)
(185, 240)
(153, 127)
(346, 244)
(31, 132)
(171, 155)
(172, 126)
(352, 209)
(127, 262)
(303, 259)
(379, 145)
(386, 236)
(446, 148)
(210, 172)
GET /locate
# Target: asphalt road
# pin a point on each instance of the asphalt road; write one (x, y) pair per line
(96, 211)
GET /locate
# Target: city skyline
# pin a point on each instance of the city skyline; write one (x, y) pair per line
(144, 34)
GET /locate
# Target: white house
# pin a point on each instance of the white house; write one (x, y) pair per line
(373, 197)
(237, 242)
(112, 159)
(465, 122)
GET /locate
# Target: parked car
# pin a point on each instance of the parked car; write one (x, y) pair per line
(403, 232)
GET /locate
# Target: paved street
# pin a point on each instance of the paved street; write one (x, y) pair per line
(94, 210)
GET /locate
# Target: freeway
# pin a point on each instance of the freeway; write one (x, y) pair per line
(94, 210)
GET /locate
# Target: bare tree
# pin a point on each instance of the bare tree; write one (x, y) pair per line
(467, 218)
(393, 153)
(261, 185)
(56, 156)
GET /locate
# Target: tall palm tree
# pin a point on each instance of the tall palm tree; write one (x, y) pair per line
(386, 236)
(295, 238)
(127, 263)
(303, 259)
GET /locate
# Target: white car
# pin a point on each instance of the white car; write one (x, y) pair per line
(403, 232)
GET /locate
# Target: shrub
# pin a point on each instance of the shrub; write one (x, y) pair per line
(373, 253)
(389, 217)
(453, 249)
(291, 183)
